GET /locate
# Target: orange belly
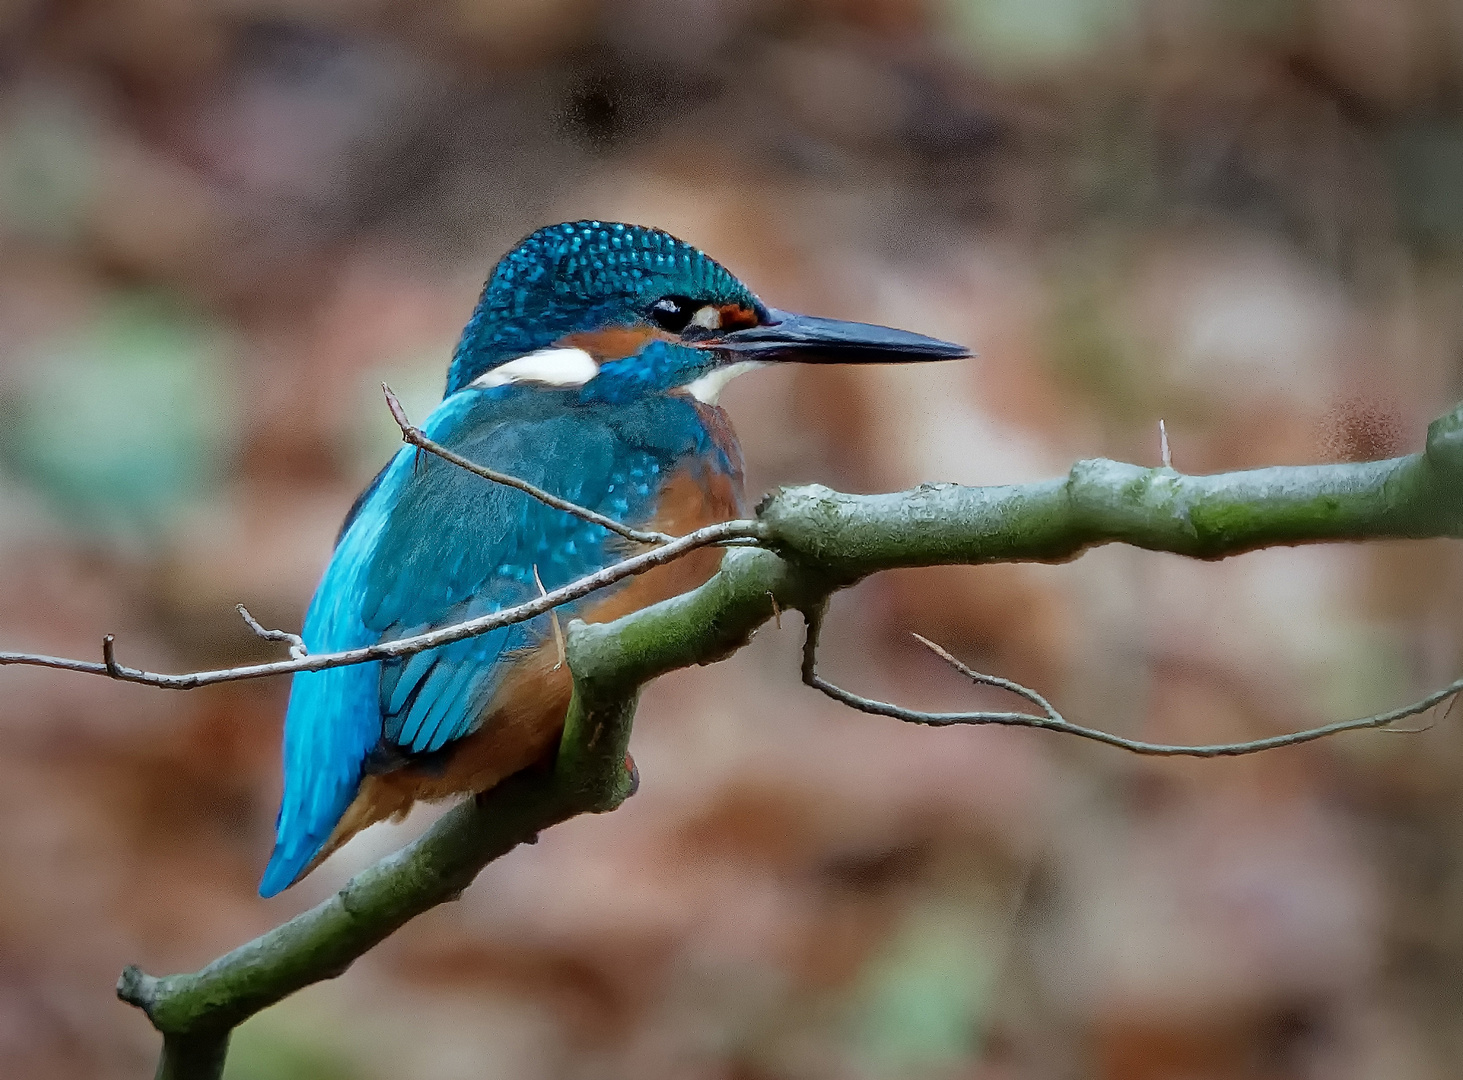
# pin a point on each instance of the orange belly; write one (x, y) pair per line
(522, 723)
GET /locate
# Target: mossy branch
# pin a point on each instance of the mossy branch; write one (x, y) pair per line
(814, 542)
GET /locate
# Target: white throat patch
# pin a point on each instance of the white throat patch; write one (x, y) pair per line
(709, 387)
(547, 367)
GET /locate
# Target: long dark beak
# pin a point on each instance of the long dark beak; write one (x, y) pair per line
(811, 340)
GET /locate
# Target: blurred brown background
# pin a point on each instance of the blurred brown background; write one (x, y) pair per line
(222, 224)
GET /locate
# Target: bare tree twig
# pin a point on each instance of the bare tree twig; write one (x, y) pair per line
(1046, 707)
(1052, 720)
(296, 643)
(636, 564)
(414, 436)
(848, 537)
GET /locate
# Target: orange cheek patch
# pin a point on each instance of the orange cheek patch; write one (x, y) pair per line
(736, 317)
(614, 342)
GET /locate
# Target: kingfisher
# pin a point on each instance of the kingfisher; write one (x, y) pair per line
(590, 368)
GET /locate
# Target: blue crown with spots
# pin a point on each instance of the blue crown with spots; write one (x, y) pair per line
(581, 276)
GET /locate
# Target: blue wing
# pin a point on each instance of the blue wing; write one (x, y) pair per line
(431, 544)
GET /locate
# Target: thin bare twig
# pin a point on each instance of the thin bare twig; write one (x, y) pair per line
(710, 536)
(1408, 730)
(414, 436)
(1052, 720)
(553, 620)
(296, 643)
(1434, 722)
(1047, 708)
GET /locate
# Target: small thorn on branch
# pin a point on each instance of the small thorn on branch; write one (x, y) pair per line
(553, 620)
(410, 434)
(1163, 452)
(1048, 710)
(398, 413)
(1418, 730)
(296, 643)
(109, 656)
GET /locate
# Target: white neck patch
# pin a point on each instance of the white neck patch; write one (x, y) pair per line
(709, 387)
(547, 367)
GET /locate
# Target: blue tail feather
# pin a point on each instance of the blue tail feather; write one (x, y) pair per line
(333, 721)
(330, 728)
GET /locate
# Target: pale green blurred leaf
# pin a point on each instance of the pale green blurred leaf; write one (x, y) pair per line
(1427, 165)
(921, 1002)
(263, 1050)
(123, 421)
(47, 167)
(1016, 36)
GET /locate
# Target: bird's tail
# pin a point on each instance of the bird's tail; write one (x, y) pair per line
(331, 726)
(293, 854)
(377, 800)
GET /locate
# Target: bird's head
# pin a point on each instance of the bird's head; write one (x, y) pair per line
(634, 310)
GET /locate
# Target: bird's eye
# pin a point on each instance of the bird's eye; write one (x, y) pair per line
(672, 313)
